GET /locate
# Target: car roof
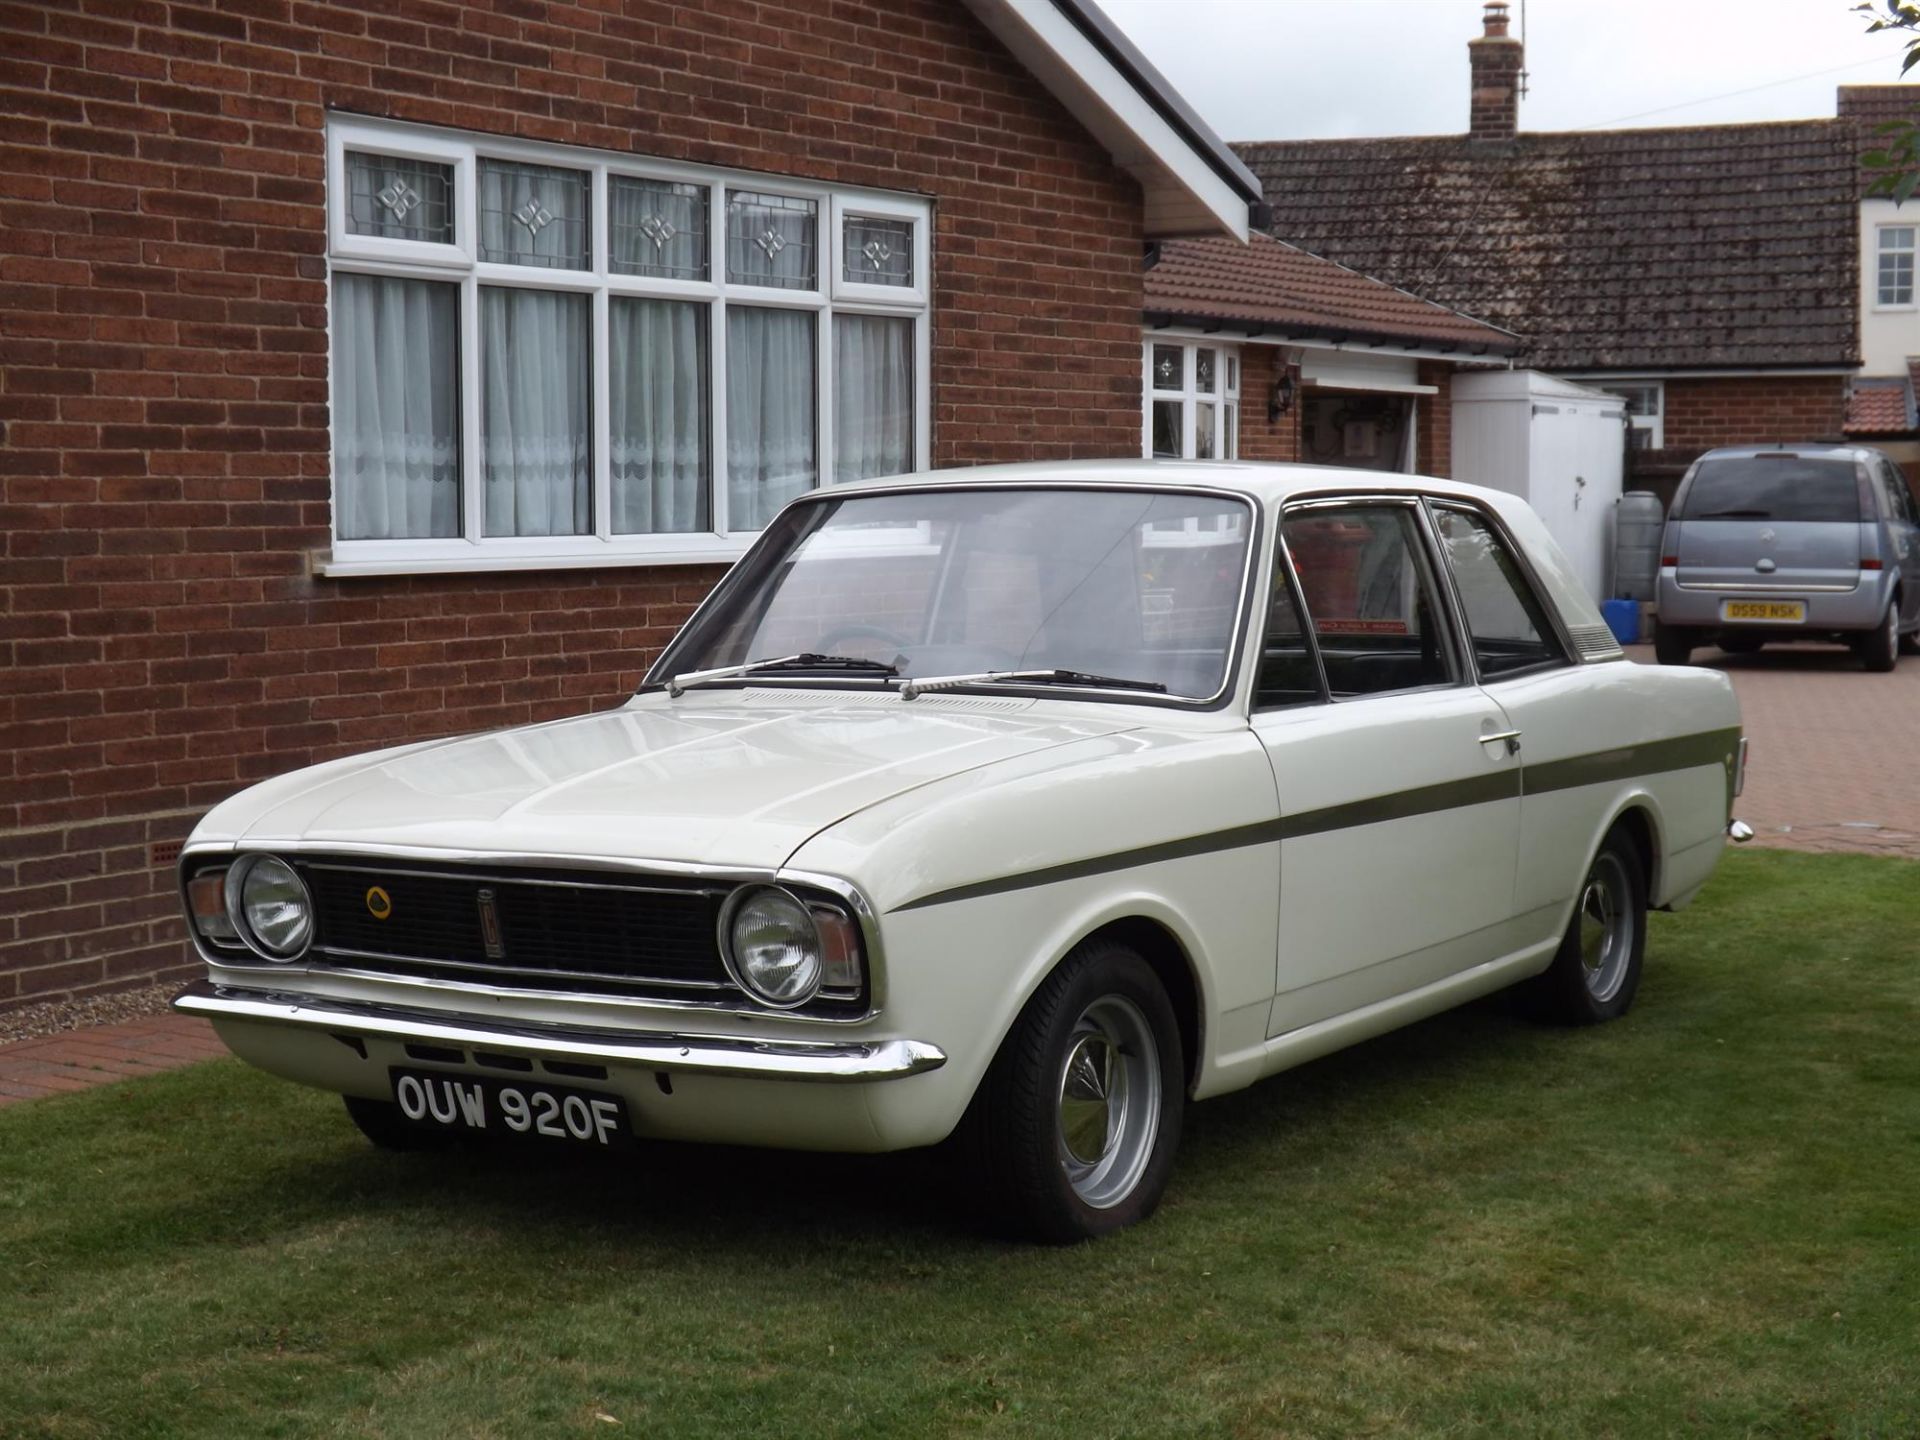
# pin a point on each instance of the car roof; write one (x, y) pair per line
(1258, 480)
(1827, 449)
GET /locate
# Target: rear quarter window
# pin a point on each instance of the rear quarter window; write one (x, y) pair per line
(1774, 487)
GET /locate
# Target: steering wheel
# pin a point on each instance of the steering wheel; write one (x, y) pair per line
(858, 630)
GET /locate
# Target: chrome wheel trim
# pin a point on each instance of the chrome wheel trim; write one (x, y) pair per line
(1109, 1101)
(1605, 920)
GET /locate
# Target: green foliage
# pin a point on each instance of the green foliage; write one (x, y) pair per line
(1897, 162)
(1696, 1221)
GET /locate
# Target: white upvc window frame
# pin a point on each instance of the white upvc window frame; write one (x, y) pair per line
(459, 263)
(1229, 367)
(1652, 425)
(1911, 250)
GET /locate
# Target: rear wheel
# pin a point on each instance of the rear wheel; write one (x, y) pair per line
(1671, 644)
(1879, 649)
(1596, 971)
(1073, 1132)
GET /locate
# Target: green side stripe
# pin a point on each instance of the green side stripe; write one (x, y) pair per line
(1713, 747)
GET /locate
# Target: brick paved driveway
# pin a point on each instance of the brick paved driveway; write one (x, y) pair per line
(1833, 765)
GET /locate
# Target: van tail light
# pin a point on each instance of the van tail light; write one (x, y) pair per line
(1667, 562)
(1868, 563)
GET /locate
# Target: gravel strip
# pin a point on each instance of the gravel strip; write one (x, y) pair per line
(31, 1022)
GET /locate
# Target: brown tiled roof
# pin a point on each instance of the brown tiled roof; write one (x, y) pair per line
(1867, 107)
(1879, 407)
(1707, 247)
(1266, 286)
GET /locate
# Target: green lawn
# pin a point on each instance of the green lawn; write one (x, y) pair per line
(1702, 1220)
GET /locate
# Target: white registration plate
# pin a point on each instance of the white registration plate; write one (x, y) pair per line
(483, 1105)
(1777, 612)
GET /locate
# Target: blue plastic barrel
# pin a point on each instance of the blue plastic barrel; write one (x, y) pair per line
(1623, 618)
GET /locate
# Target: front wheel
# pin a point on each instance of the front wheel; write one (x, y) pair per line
(1073, 1131)
(1596, 971)
(1671, 644)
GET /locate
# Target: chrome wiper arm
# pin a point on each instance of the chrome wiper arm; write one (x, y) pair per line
(916, 688)
(806, 660)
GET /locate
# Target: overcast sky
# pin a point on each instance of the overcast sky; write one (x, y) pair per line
(1302, 69)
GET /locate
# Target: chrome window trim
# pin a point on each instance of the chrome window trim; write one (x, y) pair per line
(658, 674)
(1282, 569)
(862, 909)
(1570, 653)
(1462, 667)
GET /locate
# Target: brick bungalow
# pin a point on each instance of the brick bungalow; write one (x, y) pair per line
(1707, 274)
(370, 376)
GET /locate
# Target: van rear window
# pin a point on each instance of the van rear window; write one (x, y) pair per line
(1774, 487)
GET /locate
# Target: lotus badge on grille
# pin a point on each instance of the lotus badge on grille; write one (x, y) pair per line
(379, 903)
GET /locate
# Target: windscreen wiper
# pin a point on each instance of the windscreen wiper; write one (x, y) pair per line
(1733, 515)
(1077, 678)
(807, 660)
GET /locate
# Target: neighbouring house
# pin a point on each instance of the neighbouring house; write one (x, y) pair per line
(1882, 408)
(1266, 352)
(371, 375)
(1708, 275)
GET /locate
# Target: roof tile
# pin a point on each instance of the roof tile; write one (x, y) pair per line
(1267, 285)
(1709, 246)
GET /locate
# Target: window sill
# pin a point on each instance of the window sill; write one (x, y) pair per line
(721, 552)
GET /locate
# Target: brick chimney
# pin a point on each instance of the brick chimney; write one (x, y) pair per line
(1496, 59)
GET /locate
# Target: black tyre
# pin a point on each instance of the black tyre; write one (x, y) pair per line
(383, 1124)
(1741, 644)
(1596, 971)
(1879, 648)
(1073, 1131)
(1672, 645)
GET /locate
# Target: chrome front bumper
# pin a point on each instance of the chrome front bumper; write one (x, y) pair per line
(830, 1060)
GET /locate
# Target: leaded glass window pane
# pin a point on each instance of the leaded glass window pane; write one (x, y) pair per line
(657, 227)
(1169, 368)
(1203, 362)
(399, 199)
(536, 397)
(657, 392)
(877, 252)
(534, 215)
(396, 408)
(772, 240)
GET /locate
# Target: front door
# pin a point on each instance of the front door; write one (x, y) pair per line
(1399, 791)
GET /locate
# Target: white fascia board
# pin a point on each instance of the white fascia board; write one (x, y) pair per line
(1106, 102)
(1227, 333)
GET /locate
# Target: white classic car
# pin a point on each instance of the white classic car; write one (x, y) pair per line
(1016, 805)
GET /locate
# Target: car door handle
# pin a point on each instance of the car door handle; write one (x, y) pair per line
(1512, 737)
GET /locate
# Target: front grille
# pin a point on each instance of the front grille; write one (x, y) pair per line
(557, 929)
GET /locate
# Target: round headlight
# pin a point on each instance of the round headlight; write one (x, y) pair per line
(773, 947)
(270, 906)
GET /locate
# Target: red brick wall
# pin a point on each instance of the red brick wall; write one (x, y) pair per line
(1259, 439)
(1701, 414)
(163, 378)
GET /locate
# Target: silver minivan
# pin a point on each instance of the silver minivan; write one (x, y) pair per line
(1799, 542)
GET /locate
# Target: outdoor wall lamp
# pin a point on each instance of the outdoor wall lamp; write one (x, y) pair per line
(1281, 400)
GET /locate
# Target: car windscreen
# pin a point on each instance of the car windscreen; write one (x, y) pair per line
(1136, 585)
(1774, 487)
